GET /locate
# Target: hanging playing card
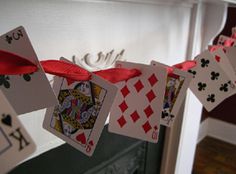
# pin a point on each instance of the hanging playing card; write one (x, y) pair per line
(33, 88)
(137, 108)
(82, 111)
(224, 62)
(15, 143)
(226, 41)
(210, 84)
(176, 87)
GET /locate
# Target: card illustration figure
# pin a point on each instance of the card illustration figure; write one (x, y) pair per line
(15, 143)
(136, 111)
(34, 88)
(176, 87)
(211, 84)
(82, 111)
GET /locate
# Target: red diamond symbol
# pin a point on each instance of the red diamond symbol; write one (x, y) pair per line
(123, 106)
(121, 121)
(135, 116)
(125, 91)
(155, 127)
(146, 127)
(148, 111)
(150, 95)
(152, 79)
(138, 85)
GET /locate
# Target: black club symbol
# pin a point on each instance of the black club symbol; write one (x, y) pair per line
(8, 39)
(214, 75)
(4, 81)
(211, 98)
(164, 114)
(204, 63)
(27, 77)
(192, 72)
(224, 87)
(201, 86)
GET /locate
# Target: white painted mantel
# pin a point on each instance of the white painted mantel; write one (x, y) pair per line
(168, 31)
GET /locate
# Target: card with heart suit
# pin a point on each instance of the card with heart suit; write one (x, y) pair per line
(136, 111)
(176, 87)
(33, 88)
(82, 111)
(225, 63)
(222, 39)
(210, 84)
(15, 143)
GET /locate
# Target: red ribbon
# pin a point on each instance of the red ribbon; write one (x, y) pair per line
(12, 64)
(65, 69)
(115, 75)
(184, 66)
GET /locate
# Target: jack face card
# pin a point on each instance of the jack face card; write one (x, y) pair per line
(210, 84)
(82, 111)
(33, 88)
(136, 111)
(176, 87)
(15, 143)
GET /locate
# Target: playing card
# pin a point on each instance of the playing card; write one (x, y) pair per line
(176, 86)
(222, 39)
(224, 62)
(210, 84)
(82, 111)
(231, 54)
(136, 111)
(34, 89)
(15, 143)
(234, 31)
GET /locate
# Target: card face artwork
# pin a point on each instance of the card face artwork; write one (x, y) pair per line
(210, 84)
(15, 143)
(33, 88)
(136, 111)
(176, 86)
(82, 111)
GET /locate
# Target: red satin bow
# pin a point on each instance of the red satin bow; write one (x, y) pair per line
(12, 64)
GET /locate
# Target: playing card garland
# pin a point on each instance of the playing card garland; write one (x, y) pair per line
(144, 96)
(15, 142)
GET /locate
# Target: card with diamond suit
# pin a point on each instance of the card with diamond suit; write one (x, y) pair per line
(138, 105)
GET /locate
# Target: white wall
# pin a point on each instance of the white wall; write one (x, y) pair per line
(65, 28)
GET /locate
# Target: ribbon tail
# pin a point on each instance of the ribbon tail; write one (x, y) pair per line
(12, 64)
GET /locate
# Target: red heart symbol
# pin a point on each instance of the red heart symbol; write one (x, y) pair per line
(217, 58)
(81, 138)
(91, 142)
